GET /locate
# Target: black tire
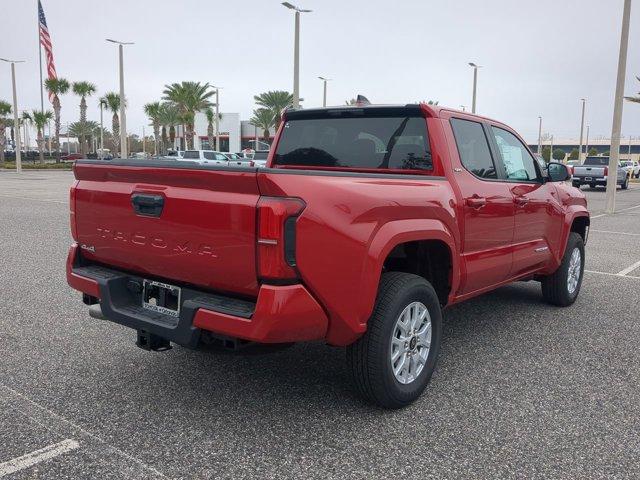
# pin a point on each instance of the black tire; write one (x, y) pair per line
(369, 357)
(576, 184)
(555, 288)
(625, 184)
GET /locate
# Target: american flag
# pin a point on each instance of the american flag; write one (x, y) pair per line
(45, 41)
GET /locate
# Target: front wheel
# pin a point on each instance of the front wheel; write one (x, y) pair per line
(562, 287)
(625, 184)
(392, 363)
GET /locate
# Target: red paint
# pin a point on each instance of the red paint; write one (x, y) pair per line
(496, 232)
(283, 314)
(77, 282)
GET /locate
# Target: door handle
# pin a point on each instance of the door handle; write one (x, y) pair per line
(147, 204)
(476, 201)
(521, 201)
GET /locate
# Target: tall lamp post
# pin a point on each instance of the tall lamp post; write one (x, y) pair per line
(16, 120)
(296, 53)
(102, 105)
(324, 90)
(475, 85)
(539, 135)
(217, 117)
(123, 119)
(584, 101)
(614, 156)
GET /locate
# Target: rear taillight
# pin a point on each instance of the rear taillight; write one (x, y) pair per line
(72, 211)
(276, 240)
(606, 171)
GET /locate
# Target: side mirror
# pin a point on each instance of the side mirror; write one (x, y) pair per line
(558, 172)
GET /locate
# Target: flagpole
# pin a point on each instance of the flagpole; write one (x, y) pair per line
(40, 59)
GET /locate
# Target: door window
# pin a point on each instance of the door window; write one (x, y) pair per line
(473, 148)
(518, 162)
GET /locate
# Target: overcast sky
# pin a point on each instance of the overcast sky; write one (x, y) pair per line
(539, 57)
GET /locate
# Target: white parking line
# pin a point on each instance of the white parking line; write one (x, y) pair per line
(629, 269)
(617, 211)
(35, 199)
(36, 413)
(37, 456)
(611, 274)
(591, 230)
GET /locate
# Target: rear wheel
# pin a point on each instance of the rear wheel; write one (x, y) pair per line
(625, 184)
(562, 287)
(392, 363)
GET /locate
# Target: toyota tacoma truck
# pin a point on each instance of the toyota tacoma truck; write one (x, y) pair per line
(365, 223)
(595, 171)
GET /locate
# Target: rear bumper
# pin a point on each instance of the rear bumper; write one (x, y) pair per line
(596, 180)
(279, 314)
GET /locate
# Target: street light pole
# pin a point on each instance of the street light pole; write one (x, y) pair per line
(296, 53)
(614, 156)
(475, 85)
(101, 132)
(584, 101)
(16, 120)
(586, 144)
(539, 135)
(324, 90)
(217, 118)
(123, 118)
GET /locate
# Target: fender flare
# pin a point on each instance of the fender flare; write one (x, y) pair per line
(386, 239)
(570, 217)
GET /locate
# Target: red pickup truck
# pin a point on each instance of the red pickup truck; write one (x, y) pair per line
(365, 223)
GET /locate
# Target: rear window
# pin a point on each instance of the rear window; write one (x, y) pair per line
(380, 142)
(261, 155)
(191, 154)
(596, 161)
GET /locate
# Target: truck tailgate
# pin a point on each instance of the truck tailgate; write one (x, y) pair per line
(588, 171)
(192, 225)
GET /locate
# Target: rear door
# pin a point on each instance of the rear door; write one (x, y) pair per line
(538, 212)
(168, 220)
(488, 208)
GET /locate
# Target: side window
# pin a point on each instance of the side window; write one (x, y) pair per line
(208, 155)
(221, 157)
(473, 148)
(518, 162)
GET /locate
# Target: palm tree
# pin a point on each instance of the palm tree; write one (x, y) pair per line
(276, 101)
(57, 87)
(40, 120)
(153, 111)
(26, 120)
(169, 118)
(83, 131)
(211, 117)
(189, 97)
(264, 119)
(112, 100)
(634, 99)
(83, 90)
(5, 109)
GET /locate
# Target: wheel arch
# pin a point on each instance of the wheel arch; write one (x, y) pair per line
(397, 235)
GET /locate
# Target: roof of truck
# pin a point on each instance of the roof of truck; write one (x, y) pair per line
(430, 110)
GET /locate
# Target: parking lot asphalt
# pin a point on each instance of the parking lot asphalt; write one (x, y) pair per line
(522, 389)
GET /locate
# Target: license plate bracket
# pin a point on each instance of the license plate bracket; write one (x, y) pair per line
(161, 297)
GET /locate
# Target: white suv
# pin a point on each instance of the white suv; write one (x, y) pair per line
(206, 157)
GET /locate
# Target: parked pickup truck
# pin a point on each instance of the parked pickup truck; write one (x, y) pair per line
(365, 223)
(595, 171)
